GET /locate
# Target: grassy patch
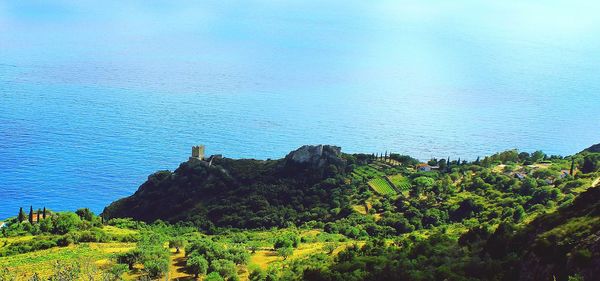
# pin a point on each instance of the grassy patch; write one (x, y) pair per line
(88, 254)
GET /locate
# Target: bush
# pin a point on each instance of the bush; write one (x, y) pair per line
(65, 222)
(225, 268)
(213, 276)
(287, 240)
(156, 267)
(197, 264)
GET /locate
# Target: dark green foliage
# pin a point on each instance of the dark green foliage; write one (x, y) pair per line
(31, 214)
(241, 194)
(466, 209)
(21, 216)
(591, 163)
(85, 214)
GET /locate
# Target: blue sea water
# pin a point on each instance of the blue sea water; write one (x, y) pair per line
(96, 95)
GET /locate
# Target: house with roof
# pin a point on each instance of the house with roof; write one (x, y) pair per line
(565, 173)
(424, 167)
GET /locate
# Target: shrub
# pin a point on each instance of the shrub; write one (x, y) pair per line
(197, 264)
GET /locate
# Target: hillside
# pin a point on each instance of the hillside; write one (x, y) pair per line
(563, 243)
(594, 148)
(245, 193)
(320, 214)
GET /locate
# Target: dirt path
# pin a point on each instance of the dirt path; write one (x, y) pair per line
(176, 267)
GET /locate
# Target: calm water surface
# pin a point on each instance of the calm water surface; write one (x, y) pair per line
(96, 96)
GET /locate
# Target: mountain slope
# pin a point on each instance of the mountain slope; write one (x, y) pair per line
(565, 242)
(243, 193)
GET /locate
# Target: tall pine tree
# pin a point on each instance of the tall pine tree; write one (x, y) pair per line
(572, 167)
(21, 216)
(44, 213)
(31, 214)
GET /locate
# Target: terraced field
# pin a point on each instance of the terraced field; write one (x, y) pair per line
(366, 171)
(381, 186)
(401, 182)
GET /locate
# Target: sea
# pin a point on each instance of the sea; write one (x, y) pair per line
(97, 95)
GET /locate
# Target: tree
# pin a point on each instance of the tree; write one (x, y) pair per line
(466, 209)
(85, 214)
(31, 214)
(287, 240)
(66, 222)
(21, 216)
(253, 248)
(442, 165)
(538, 156)
(129, 258)
(213, 276)
(156, 267)
(44, 213)
(285, 252)
(572, 167)
(197, 265)
(519, 213)
(225, 268)
(177, 243)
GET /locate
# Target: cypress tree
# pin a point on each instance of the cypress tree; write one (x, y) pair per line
(572, 167)
(477, 161)
(21, 216)
(39, 213)
(458, 162)
(31, 214)
(448, 164)
(44, 213)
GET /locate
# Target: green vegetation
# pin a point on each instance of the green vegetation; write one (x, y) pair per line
(381, 186)
(509, 216)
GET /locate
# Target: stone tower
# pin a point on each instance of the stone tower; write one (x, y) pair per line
(197, 152)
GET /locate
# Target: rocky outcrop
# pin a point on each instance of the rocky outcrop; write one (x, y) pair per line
(316, 156)
(315, 161)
